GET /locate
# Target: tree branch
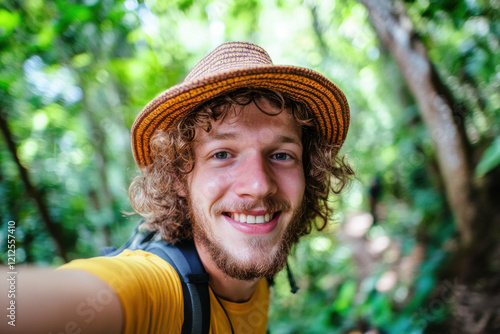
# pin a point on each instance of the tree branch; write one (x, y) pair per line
(52, 227)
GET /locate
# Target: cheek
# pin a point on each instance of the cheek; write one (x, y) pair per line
(210, 185)
(294, 185)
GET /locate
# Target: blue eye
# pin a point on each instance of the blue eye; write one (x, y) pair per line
(281, 156)
(221, 155)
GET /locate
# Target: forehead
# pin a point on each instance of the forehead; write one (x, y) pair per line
(259, 121)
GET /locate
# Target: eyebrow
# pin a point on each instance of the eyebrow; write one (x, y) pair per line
(217, 137)
(288, 139)
(234, 136)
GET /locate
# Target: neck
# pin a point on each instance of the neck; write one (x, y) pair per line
(223, 286)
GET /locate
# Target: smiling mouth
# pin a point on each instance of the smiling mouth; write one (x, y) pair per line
(251, 219)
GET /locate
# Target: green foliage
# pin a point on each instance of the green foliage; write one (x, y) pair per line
(490, 158)
(74, 74)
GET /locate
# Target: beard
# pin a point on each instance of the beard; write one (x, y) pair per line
(264, 257)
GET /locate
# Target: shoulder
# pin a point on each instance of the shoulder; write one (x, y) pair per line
(147, 286)
(126, 269)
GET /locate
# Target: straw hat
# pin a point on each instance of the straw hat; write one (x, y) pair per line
(235, 65)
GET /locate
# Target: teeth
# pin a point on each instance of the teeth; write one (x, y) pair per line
(250, 219)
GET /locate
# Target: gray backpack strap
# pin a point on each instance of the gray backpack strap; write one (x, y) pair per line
(185, 260)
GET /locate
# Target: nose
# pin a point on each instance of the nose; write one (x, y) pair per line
(255, 179)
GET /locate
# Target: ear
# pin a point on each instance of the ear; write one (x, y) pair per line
(180, 187)
(181, 193)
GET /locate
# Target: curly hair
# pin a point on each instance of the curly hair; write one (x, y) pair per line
(154, 193)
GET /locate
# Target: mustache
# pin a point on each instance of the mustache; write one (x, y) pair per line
(268, 204)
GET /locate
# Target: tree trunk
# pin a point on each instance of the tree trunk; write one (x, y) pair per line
(444, 117)
(52, 227)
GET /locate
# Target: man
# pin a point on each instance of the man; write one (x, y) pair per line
(240, 158)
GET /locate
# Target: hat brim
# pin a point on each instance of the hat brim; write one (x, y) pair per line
(326, 101)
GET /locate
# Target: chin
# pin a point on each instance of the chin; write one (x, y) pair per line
(251, 262)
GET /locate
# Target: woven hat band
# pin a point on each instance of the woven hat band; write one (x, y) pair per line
(230, 56)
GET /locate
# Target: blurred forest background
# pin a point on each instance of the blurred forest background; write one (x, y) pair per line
(414, 244)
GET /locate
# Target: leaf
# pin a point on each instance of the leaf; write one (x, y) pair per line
(8, 21)
(46, 36)
(490, 159)
(345, 296)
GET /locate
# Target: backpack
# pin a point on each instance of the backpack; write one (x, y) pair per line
(184, 258)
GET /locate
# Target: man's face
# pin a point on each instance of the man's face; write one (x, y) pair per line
(246, 190)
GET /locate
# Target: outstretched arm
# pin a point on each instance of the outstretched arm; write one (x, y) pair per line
(67, 301)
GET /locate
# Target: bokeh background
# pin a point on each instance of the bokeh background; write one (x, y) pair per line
(413, 246)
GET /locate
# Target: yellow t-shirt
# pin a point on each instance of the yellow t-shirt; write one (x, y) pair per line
(151, 295)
